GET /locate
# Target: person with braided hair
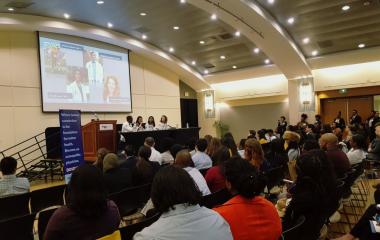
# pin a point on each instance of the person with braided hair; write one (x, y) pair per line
(250, 216)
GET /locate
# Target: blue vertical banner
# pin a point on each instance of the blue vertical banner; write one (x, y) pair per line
(71, 141)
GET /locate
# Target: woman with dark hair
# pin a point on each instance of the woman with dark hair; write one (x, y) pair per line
(229, 142)
(139, 125)
(255, 155)
(88, 214)
(111, 89)
(310, 144)
(145, 169)
(215, 175)
(163, 125)
(261, 134)
(175, 195)
(358, 149)
(151, 124)
(249, 215)
(314, 195)
(277, 156)
(241, 147)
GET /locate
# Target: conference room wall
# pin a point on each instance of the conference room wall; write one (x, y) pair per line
(155, 90)
(241, 119)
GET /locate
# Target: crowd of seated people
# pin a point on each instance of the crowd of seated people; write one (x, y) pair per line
(310, 154)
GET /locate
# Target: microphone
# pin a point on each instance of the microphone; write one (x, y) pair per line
(96, 116)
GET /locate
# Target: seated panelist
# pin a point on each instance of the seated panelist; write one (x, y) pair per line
(150, 125)
(163, 125)
(139, 125)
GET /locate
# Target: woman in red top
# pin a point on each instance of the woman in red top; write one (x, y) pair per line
(215, 175)
(250, 216)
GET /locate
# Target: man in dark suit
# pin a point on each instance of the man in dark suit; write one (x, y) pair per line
(355, 119)
(309, 132)
(128, 159)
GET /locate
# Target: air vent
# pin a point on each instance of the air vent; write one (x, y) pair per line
(225, 36)
(208, 65)
(325, 44)
(142, 30)
(19, 5)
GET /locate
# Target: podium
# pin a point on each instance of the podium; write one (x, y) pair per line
(98, 134)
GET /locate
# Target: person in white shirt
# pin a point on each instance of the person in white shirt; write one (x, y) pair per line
(10, 184)
(139, 125)
(155, 155)
(150, 125)
(357, 152)
(163, 125)
(175, 195)
(79, 91)
(95, 69)
(128, 125)
(200, 158)
(183, 160)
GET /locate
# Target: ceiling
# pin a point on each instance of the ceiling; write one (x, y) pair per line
(157, 25)
(329, 28)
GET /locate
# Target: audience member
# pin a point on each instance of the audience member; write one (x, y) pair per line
(270, 135)
(249, 215)
(182, 217)
(183, 160)
(252, 134)
(213, 147)
(241, 147)
(261, 135)
(101, 153)
(155, 155)
(10, 184)
(318, 123)
(292, 140)
(200, 158)
(374, 147)
(277, 156)
(128, 159)
(115, 178)
(255, 155)
(314, 195)
(358, 149)
(175, 149)
(342, 145)
(191, 145)
(339, 160)
(215, 175)
(166, 156)
(370, 124)
(88, 214)
(145, 169)
(229, 142)
(208, 138)
(339, 122)
(302, 124)
(310, 132)
(281, 125)
(310, 144)
(355, 119)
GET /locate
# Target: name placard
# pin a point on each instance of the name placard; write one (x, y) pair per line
(105, 127)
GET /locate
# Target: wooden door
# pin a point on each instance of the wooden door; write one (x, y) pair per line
(364, 106)
(331, 107)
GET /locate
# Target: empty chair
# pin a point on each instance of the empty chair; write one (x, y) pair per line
(13, 206)
(216, 198)
(43, 220)
(20, 228)
(129, 231)
(291, 233)
(130, 199)
(47, 197)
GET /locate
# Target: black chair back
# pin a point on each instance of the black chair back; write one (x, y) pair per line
(351, 177)
(43, 220)
(129, 231)
(204, 171)
(20, 228)
(47, 197)
(130, 199)
(216, 198)
(291, 233)
(274, 177)
(14, 206)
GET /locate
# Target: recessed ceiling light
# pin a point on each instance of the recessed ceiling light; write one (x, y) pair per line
(291, 20)
(267, 61)
(99, 2)
(109, 25)
(222, 57)
(176, 28)
(171, 49)
(306, 40)
(256, 50)
(202, 42)
(143, 14)
(66, 15)
(346, 7)
(361, 45)
(11, 9)
(144, 36)
(271, 1)
(193, 63)
(237, 34)
(314, 53)
(214, 17)
(205, 71)
(234, 67)
(183, 1)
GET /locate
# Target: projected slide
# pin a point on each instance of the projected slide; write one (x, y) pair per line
(79, 76)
